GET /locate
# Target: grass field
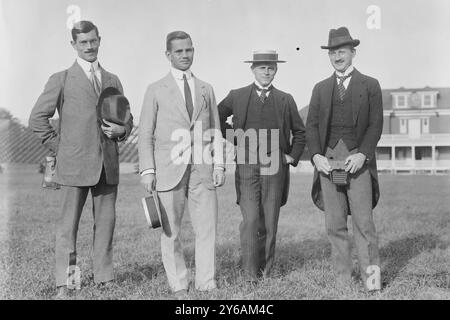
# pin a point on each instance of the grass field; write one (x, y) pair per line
(412, 219)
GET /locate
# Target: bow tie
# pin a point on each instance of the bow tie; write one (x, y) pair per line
(265, 89)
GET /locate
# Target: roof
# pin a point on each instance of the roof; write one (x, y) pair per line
(443, 99)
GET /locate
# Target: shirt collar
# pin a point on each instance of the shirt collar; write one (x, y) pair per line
(86, 65)
(178, 74)
(346, 72)
(259, 87)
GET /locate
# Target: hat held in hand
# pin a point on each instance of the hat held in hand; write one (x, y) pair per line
(113, 106)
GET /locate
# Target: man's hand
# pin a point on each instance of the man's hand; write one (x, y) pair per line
(218, 177)
(289, 159)
(354, 162)
(149, 182)
(113, 130)
(321, 164)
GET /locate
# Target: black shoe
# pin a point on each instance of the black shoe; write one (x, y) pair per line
(62, 293)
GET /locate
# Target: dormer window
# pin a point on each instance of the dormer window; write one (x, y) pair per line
(400, 100)
(429, 99)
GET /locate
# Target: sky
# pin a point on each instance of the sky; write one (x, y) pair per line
(404, 43)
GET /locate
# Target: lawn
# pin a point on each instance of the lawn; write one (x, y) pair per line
(412, 219)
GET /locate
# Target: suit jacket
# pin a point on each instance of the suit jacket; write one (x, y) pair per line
(367, 110)
(292, 131)
(82, 148)
(167, 138)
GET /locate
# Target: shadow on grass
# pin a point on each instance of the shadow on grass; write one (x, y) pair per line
(397, 254)
(289, 257)
(136, 273)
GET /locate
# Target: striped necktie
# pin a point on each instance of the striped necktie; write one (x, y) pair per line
(94, 81)
(341, 86)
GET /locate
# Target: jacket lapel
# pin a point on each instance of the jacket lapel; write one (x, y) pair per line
(175, 95)
(280, 106)
(81, 80)
(200, 99)
(327, 96)
(106, 78)
(242, 105)
(357, 91)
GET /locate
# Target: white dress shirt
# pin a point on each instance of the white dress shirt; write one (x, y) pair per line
(86, 66)
(178, 75)
(342, 74)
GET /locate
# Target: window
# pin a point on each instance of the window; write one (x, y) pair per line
(400, 99)
(425, 125)
(429, 99)
(403, 126)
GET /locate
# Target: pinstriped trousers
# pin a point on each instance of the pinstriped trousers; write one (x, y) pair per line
(260, 201)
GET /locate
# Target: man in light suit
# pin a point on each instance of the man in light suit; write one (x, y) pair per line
(87, 157)
(262, 183)
(182, 107)
(344, 124)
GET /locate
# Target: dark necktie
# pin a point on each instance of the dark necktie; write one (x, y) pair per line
(341, 86)
(188, 97)
(263, 95)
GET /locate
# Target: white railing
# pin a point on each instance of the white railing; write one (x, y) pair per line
(404, 139)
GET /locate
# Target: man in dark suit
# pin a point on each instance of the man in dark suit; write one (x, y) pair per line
(268, 117)
(87, 154)
(344, 125)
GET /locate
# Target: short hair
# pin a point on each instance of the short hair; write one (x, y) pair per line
(257, 64)
(349, 46)
(83, 27)
(174, 36)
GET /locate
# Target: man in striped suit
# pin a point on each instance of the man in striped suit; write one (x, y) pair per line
(269, 118)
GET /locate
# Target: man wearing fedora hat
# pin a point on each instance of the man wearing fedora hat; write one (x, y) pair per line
(86, 153)
(344, 125)
(260, 110)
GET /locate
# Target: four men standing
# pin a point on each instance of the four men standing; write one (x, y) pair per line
(181, 156)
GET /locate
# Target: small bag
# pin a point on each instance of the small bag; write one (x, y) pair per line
(49, 174)
(338, 175)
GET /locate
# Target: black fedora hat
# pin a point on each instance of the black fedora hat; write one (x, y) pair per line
(113, 106)
(265, 56)
(340, 37)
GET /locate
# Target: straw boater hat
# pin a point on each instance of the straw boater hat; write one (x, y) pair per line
(340, 37)
(113, 106)
(155, 214)
(265, 56)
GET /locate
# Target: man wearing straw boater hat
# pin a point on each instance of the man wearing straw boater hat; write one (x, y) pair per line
(344, 125)
(86, 152)
(264, 121)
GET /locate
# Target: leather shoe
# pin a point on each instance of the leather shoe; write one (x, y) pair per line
(181, 294)
(62, 293)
